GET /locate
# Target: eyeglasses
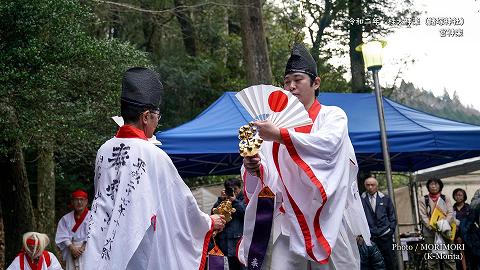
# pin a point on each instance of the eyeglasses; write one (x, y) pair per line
(157, 113)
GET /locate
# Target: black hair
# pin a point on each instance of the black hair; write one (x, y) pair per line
(232, 182)
(130, 112)
(436, 180)
(312, 80)
(462, 190)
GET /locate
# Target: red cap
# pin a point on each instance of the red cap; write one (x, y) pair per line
(79, 193)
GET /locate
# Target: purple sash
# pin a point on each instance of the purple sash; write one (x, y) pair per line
(215, 262)
(215, 258)
(262, 229)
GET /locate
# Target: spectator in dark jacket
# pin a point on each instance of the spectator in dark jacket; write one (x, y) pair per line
(381, 219)
(462, 211)
(475, 203)
(370, 256)
(470, 231)
(227, 240)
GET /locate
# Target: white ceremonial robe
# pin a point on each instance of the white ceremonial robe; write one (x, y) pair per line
(65, 237)
(317, 204)
(143, 215)
(54, 264)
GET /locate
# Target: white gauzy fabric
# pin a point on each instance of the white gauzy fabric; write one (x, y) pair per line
(443, 225)
(143, 215)
(65, 236)
(324, 157)
(54, 264)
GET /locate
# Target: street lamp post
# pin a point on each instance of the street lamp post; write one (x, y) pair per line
(373, 58)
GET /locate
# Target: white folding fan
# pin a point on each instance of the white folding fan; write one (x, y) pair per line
(267, 102)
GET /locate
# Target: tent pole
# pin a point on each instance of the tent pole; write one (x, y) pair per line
(386, 159)
(414, 200)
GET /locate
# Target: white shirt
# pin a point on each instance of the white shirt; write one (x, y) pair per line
(373, 201)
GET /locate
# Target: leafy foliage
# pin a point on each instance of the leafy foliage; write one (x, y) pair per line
(60, 81)
(60, 88)
(193, 83)
(207, 180)
(284, 26)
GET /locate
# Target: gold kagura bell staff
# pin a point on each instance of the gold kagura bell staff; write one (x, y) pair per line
(249, 145)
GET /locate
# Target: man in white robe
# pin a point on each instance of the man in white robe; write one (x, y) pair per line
(143, 214)
(312, 170)
(72, 232)
(33, 255)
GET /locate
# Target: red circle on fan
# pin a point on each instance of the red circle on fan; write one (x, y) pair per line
(277, 101)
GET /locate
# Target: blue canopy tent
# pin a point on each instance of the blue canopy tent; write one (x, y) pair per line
(208, 145)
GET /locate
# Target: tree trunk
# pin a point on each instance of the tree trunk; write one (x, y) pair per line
(46, 192)
(17, 207)
(255, 53)
(115, 27)
(148, 29)
(357, 68)
(323, 22)
(188, 32)
(16, 203)
(2, 239)
(224, 51)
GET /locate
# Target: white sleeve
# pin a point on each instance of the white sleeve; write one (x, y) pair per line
(63, 236)
(15, 265)
(354, 213)
(325, 143)
(54, 263)
(251, 182)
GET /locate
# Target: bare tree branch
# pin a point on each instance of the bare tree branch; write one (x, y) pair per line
(169, 10)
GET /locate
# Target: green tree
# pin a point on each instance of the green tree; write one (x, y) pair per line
(192, 81)
(61, 86)
(284, 26)
(346, 23)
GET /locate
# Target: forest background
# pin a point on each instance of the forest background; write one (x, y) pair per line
(61, 63)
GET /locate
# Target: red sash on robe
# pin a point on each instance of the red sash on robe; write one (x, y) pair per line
(312, 113)
(34, 266)
(79, 221)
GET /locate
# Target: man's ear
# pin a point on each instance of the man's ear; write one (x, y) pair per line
(144, 117)
(316, 83)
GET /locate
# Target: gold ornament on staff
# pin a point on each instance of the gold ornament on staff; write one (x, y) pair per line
(225, 208)
(248, 145)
